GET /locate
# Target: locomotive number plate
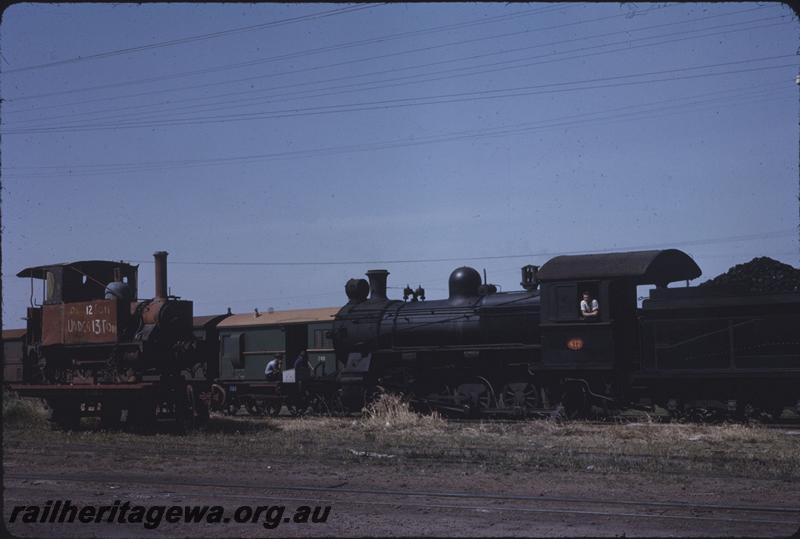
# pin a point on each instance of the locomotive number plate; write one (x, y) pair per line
(80, 323)
(576, 343)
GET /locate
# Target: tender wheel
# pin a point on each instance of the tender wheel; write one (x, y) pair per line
(575, 402)
(520, 395)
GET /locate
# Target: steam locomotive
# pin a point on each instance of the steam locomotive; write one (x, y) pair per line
(689, 350)
(93, 349)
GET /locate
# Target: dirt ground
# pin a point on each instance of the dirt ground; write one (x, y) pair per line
(411, 476)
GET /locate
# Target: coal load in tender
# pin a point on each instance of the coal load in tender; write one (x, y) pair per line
(761, 275)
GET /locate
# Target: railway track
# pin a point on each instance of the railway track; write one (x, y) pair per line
(340, 494)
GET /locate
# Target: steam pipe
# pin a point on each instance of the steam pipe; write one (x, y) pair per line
(161, 274)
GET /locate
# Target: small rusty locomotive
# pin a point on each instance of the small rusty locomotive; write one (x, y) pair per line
(94, 349)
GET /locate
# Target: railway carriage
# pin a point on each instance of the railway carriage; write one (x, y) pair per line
(247, 342)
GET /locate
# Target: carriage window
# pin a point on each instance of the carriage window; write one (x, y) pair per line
(321, 339)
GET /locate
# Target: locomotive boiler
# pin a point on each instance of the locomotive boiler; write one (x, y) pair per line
(95, 349)
(472, 350)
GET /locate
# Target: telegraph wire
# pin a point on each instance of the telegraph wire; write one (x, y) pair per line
(192, 39)
(234, 66)
(502, 130)
(294, 96)
(340, 109)
(437, 75)
(639, 115)
(325, 66)
(460, 97)
(339, 64)
(708, 241)
(456, 135)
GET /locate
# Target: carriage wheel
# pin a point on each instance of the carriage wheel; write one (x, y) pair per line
(255, 408)
(218, 397)
(273, 409)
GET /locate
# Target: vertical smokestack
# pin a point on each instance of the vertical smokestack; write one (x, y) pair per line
(377, 283)
(161, 273)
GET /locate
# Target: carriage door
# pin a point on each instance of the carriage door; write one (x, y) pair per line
(296, 342)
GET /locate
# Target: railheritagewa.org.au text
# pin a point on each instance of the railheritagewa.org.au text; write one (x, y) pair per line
(153, 516)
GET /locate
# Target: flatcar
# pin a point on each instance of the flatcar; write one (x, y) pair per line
(534, 351)
(93, 349)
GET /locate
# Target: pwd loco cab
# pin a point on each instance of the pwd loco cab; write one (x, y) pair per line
(94, 348)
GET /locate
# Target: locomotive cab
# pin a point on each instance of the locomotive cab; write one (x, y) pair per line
(608, 341)
(83, 302)
(93, 348)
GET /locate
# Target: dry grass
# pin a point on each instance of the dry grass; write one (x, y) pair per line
(19, 413)
(392, 412)
(391, 434)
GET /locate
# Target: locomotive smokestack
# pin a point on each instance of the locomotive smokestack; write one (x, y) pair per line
(161, 273)
(377, 283)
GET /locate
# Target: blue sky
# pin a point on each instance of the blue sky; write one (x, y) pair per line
(349, 137)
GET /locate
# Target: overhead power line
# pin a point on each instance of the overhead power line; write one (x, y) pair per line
(709, 241)
(679, 104)
(329, 65)
(192, 39)
(437, 75)
(417, 101)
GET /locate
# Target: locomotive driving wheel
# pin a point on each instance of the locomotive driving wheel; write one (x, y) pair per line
(185, 410)
(478, 394)
(520, 395)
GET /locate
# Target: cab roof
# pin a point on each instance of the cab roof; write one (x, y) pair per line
(658, 267)
(83, 266)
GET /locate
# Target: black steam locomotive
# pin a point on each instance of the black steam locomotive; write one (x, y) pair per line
(93, 349)
(688, 350)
